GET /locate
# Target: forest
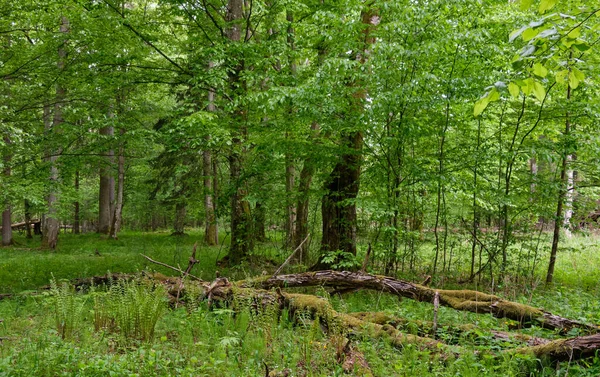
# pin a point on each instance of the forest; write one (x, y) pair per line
(300, 187)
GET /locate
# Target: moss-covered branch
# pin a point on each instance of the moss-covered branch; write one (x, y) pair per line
(466, 300)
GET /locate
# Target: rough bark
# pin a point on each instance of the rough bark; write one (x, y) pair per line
(107, 186)
(338, 205)
(465, 300)
(27, 209)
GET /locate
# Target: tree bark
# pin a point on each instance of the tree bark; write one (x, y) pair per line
(465, 300)
(107, 185)
(338, 205)
(51, 225)
(6, 213)
(558, 221)
(27, 211)
(211, 234)
(76, 216)
(179, 223)
(241, 218)
(117, 217)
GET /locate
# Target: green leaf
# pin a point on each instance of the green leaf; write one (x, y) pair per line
(539, 70)
(575, 78)
(515, 34)
(494, 95)
(547, 5)
(575, 33)
(527, 86)
(561, 76)
(514, 90)
(480, 105)
(538, 90)
(525, 4)
(529, 34)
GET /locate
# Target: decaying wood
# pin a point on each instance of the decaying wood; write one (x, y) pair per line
(466, 300)
(564, 349)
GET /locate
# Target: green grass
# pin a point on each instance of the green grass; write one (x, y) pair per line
(193, 341)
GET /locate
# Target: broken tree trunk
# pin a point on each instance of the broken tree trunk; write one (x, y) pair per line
(466, 300)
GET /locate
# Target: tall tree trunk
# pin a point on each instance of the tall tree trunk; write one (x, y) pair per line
(51, 225)
(6, 214)
(259, 223)
(562, 193)
(569, 195)
(117, 217)
(290, 168)
(107, 186)
(241, 218)
(211, 235)
(76, 217)
(338, 205)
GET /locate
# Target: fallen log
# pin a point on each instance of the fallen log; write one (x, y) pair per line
(465, 300)
(564, 349)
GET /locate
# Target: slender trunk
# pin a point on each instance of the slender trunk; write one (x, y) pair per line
(475, 212)
(210, 232)
(259, 223)
(107, 185)
(51, 225)
(27, 209)
(76, 217)
(241, 218)
(569, 195)
(117, 217)
(562, 193)
(6, 213)
(290, 169)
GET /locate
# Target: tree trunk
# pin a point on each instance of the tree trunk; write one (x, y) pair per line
(558, 221)
(338, 206)
(211, 236)
(107, 185)
(51, 225)
(241, 218)
(76, 217)
(27, 210)
(290, 168)
(179, 223)
(117, 217)
(465, 300)
(6, 213)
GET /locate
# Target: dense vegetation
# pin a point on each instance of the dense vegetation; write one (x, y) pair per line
(454, 142)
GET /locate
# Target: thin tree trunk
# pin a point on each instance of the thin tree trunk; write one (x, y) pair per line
(290, 168)
(569, 195)
(107, 186)
(475, 212)
(211, 232)
(259, 223)
(27, 210)
(117, 217)
(558, 221)
(6, 213)
(76, 217)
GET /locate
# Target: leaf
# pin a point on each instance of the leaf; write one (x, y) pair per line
(525, 4)
(538, 91)
(514, 90)
(561, 76)
(575, 33)
(547, 33)
(494, 95)
(515, 34)
(480, 105)
(527, 50)
(527, 86)
(529, 34)
(575, 78)
(539, 70)
(547, 5)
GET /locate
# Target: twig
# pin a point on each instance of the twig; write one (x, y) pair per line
(366, 261)
(191, 264)
(291, 255)
(171, 267)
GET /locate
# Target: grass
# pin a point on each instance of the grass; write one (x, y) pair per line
(193, 341)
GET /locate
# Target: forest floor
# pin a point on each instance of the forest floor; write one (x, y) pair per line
(60, 332)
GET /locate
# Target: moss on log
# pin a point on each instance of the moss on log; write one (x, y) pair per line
(465, 300)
